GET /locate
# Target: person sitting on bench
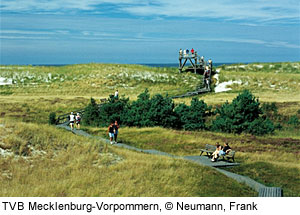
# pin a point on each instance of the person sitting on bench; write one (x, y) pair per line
(221, 151)
(215, 155)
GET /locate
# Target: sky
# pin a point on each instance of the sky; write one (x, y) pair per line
(148, 31)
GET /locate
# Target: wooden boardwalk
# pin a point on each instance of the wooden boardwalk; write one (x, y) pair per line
(204, 160)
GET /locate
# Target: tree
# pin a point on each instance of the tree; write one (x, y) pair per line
(91, 114)
(193, 117)
(242, 115)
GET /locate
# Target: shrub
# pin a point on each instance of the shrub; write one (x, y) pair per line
(52, 118)
(157, 111)
(91, 114)
(161, 111)
(137, 113)
(260, 126)
(269, 108)
(113, 110)
(294, 121)
(242, 115)
(192, 117)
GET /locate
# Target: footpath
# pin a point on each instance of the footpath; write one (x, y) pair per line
(201, 160)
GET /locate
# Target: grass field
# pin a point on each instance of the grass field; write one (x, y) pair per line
(53, 162)
(41, 160)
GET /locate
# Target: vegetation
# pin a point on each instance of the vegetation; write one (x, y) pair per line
(148, 112)
(242, 115)
(61, 164)
(52, 118)
(39, 160)
(255, 154)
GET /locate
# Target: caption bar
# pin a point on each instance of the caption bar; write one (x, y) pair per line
(127, 205)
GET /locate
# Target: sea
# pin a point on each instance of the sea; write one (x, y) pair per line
(169, 65)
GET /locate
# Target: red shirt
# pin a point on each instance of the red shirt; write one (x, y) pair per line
(192, 51)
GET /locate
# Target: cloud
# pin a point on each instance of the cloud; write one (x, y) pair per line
(250, 11)
(23, 38)
(25, 32)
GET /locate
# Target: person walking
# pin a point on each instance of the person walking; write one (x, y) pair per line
(116, 94)
(116, 131)
(111, 132)
(72, 119)
(78, 118)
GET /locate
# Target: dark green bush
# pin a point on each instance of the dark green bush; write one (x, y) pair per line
(155, 111)
(136, 114)
(192, 117)
(91, 114)
(113, 110)
(52, 118)
(270, 108)
(242, 115)
(161, 111)
(294, 121)
(260, 127)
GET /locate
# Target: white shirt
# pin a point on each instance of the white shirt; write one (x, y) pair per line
(72, 117)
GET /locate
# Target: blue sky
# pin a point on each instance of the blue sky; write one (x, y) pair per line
(144, 31)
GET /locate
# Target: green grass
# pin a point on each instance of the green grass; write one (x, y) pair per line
(79, 166)
(274, 154)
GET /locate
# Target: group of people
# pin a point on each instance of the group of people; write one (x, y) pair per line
(186, 52)
(74, 120)
(220, 151)
(113, 130)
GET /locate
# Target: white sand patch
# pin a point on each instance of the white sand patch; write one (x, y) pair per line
(6, 81)
(259, 66)
(5, 153)
(223, 87)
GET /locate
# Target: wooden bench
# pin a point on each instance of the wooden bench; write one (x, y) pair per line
(228, 156)
(209, 149)
(270, 192)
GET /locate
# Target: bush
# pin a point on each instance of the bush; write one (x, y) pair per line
(157, 111)
(52, 118)
(242, 115)
(270, 108)
(161, 111)
(112, 111)
(192, 117)
(294, 121)
(91, 114)
(260, 126)
(136, 114)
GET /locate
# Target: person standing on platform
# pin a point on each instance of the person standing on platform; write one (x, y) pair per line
(180, 53)
(193, 51)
